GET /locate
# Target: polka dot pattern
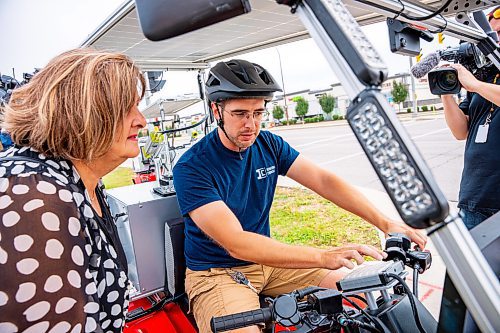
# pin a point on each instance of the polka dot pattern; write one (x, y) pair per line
(10, 218)
(53, 284)
(60, 270)
(50, 221)
(22, 243)
(25, 292)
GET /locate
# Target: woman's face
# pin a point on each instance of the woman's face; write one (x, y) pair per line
(126, 145)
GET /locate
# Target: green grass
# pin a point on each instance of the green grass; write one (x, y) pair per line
(298, 216)
(118, 178)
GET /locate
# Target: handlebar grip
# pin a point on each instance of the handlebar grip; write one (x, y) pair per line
(239, 320)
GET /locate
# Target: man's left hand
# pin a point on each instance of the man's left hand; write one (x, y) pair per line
(416, 236)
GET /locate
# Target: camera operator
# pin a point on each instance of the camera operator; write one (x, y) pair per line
(476, 120)
(494, 19)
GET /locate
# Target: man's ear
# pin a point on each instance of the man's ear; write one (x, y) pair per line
(215, 110)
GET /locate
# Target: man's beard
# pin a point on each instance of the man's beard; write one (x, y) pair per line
(234, 140)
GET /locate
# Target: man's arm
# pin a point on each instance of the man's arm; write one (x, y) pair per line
(344, 195)
(456, 120)
(489, 91)
(219, 223)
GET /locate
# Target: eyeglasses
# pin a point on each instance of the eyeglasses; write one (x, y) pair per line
(495, 14)
(241, 115)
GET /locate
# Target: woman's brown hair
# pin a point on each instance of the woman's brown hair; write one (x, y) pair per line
(74, 107)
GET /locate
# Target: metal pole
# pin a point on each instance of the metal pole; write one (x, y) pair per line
(467, 267)
(283, 85)
(390, 8)
(413, 91)
(470, 272)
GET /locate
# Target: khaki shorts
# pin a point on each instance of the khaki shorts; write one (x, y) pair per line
(214, 293)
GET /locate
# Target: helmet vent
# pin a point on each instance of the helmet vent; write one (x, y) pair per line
(240, 72)
(213, 81)
(264, 76)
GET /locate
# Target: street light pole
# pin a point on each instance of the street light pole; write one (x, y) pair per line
(283, 85)
(413, 92)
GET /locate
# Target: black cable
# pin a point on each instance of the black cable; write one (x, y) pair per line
(184, 128)
(401, 11)
(411, 299)
(426, 17)
(348, 321)
(159, 305)
(369, 317)
(415, 280)
(362, 299)
(440, 29)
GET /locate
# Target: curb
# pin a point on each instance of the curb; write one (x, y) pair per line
(330, 123)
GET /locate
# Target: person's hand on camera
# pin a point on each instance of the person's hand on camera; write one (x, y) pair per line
(468, 81)
(343, 256)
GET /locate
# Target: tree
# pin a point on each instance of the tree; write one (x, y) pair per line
(302, 106)
(278, 112)
(327, 103)
(399, 93)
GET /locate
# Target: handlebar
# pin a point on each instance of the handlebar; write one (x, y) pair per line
(239, 320)
(322, 308)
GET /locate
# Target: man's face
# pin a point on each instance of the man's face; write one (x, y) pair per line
(242, 118)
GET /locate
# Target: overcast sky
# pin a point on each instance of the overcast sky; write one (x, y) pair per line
(34, 31)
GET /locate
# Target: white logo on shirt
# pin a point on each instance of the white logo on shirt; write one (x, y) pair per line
(264, 172)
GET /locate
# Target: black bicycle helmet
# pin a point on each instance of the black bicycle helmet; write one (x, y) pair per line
(240, 79)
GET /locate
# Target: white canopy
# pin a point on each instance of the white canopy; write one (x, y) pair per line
(170, 107)
(268, 24)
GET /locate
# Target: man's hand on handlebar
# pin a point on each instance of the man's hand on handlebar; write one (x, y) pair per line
(416, 236)
(342, 256)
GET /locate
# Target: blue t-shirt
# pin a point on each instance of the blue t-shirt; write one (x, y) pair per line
(480, 185)
(210, 172)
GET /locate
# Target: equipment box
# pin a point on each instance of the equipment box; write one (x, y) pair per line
(140, 217)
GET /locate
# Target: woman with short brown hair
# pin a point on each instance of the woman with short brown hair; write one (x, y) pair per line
(61, 262)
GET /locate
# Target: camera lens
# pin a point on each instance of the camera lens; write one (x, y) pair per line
(447, 80)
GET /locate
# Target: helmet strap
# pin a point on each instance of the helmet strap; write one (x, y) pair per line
(220, 123)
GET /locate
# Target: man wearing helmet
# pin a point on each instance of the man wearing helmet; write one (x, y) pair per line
(225, 186)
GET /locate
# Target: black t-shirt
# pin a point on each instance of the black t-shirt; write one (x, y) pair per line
(480, 185)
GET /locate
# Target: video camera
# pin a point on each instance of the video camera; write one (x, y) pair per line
(468, 55)
(8, 84)
(444, 81)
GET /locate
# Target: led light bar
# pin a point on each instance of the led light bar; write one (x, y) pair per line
(397, 161)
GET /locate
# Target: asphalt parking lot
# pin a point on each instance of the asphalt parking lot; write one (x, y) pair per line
(333, 146)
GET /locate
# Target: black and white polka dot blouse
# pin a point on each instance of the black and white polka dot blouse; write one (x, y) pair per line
(61, 266)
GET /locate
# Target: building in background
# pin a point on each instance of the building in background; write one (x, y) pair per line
(423, 96)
